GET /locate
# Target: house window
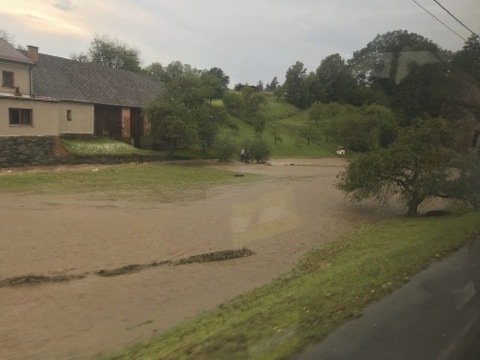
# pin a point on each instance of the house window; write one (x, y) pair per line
(7, 79)
(20, 117)
(69, 115)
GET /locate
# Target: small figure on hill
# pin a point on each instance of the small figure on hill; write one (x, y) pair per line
(242, 154)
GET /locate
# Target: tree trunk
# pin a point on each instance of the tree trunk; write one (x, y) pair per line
(412, 205)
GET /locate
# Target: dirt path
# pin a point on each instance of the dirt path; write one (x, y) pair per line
(281, 218)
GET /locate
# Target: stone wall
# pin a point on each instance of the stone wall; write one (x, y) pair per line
(27, 150)
(16, 151)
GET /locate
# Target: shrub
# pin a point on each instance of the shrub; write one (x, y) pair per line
(260, 149)
(226, 147)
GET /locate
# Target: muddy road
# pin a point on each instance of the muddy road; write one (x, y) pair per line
(296, 208)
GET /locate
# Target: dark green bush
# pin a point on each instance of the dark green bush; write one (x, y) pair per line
(226, 147)
(260, 149)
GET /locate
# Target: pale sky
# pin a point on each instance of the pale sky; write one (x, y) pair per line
(250, 40)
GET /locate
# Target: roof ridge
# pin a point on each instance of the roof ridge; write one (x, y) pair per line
(69, 79)
(9, 53)
(100, 66)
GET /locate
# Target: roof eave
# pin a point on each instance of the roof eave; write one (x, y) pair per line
(17, 61)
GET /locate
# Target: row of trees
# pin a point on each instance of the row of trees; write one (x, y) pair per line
(374, 75)
(184, 113)
(434, 103)
(401, 101)
(404, 103)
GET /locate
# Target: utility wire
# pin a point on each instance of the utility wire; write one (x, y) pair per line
(440, 21)
(458, 20)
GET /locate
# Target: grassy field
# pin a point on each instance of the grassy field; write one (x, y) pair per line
(328, 287)
(142, 181)
(278, 109)
(292, 143)
(286, 122)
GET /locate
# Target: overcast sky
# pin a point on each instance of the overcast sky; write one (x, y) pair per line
(250, 40)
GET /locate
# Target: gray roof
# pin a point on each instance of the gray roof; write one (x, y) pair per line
(66, 79)
(9, 53)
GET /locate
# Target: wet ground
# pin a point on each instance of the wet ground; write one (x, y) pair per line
(295, 209)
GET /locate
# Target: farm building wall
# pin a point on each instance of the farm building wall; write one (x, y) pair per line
(21, 78)
(75, 118)
(48, 118)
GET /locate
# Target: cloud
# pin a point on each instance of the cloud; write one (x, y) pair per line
(250, 39)
(65, 5)
(43, 18)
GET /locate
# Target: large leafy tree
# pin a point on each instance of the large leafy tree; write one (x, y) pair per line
(447, 89)
(467, 60)
(295, 86)
(336, 80)
(363, 129)
(112, 53)
(417, 166)
(272, 86)
(249, 106)
(183, 115)
(216, 81)
(427, 90)
(156, 70)
(378, 61)
(221, 76)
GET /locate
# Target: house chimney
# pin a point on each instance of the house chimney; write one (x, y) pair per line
(32, 53)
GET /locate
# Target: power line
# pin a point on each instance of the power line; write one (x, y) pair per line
(440, 21)
(458, 20)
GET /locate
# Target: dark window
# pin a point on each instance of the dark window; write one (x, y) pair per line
(20, 117)
(69, 115)
(7, 79)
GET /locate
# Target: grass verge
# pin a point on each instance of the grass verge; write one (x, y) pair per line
(328, 287)
(106, 147)
(102, 146)
(134, 181)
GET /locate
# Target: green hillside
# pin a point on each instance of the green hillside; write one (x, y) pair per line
(285, 123)
(285, 131)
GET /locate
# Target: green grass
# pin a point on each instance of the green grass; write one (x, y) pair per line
(278, 109)
(286, 121)
(102, 146)
(137, 181)
(106, 147)
(292, 144)
(327, 288)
